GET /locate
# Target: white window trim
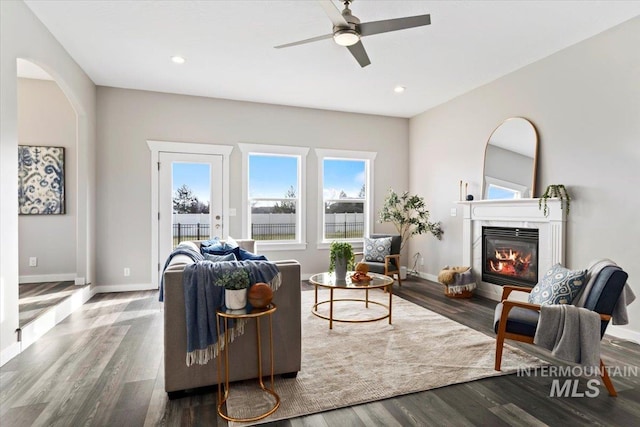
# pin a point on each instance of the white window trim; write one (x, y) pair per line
(284, 150)
(369, 156)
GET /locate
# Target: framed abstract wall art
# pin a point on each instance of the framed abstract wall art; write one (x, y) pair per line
(40, 180)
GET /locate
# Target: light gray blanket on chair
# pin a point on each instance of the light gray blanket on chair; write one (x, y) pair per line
(571, 333)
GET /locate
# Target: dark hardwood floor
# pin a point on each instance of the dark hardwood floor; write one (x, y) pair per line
(103, 366)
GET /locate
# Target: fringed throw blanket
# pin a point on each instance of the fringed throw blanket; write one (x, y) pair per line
(186, 248)
(203, 296)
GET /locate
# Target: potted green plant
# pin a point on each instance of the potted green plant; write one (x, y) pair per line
(410, 216)
(555, 191)
(341, 259)
(235, 285)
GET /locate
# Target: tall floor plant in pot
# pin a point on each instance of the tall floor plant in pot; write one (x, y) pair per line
(409, 215)
(341, 259)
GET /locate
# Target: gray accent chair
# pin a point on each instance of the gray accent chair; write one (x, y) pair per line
(391, 264)
(518, 320)
(287, 332)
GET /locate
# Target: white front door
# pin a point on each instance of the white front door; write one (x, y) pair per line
(190, 198)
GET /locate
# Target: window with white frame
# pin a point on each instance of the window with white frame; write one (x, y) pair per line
(273, 195)
(346, 188)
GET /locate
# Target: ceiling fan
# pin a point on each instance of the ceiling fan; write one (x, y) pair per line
(347, 29)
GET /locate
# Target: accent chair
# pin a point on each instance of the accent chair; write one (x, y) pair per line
(518, 320)
(391, 263)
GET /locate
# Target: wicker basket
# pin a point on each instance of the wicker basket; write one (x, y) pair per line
(463, 294)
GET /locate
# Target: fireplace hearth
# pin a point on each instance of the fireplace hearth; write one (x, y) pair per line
(510, 256)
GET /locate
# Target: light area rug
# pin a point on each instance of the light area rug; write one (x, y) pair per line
(363, 362)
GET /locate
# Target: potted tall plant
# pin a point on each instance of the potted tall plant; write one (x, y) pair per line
(341, 259)
(409, 215)
(235, 285)
(555, 191)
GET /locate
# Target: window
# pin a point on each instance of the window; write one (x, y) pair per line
(345, 188)
(273, 196)
(500, 189)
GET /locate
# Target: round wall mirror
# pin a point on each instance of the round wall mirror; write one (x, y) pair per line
(510, 161)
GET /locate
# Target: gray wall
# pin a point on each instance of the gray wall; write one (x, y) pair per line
(128, 118)
(22, 35)
(585, 104)
(45, 117)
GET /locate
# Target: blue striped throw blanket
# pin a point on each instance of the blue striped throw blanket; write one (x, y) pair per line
(203, 296)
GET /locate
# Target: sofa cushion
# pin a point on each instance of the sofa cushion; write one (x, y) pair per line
(250, 256)
(217, 247)
(558, 286)
(217, 258)
(375, 250)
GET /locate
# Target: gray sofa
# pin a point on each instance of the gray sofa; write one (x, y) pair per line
(242, 352)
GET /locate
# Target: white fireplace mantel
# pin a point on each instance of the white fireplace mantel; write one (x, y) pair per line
(512, 213)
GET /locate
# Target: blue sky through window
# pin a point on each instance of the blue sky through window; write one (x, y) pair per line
(272, 176)
(496, 192)
(345, 175)
(195, 176)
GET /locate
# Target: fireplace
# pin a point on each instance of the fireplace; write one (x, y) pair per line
(510, 256)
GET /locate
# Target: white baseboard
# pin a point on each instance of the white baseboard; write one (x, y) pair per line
(81, 281)
(9, 353)
(422, 275)
(624, 333)
(41, 278)
(45, 322)
(131, 287)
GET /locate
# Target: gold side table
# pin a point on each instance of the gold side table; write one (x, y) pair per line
(224, 315)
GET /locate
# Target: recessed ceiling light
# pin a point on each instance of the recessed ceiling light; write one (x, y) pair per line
(178, 59)
(399, 89)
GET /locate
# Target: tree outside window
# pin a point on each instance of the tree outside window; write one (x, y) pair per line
(273, 197)
(344, 198)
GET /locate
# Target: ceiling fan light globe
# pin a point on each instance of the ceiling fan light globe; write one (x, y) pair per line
(346, 37)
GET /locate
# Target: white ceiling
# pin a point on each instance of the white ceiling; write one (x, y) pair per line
(229, 47)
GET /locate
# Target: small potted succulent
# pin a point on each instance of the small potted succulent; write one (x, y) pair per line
(341, 259)
(555, 191)
(235, 285)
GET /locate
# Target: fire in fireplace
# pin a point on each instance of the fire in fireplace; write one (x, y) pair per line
(510, 256)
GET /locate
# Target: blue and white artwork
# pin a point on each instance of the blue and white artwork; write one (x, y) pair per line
(40, 180)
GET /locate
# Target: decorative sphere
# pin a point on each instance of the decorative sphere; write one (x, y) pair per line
(260, 295)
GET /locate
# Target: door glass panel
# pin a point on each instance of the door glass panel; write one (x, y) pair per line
(191, 190)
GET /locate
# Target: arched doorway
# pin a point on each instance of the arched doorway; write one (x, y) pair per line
(48, 244)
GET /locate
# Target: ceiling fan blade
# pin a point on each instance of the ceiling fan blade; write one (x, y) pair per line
(333, 13)
(377, 27)
(311, 40)
(358, 52)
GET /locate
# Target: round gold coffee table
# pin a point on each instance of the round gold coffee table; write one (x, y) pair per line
(328, 280)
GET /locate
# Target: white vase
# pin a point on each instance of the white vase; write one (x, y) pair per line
(340, 268)
(235, 299)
